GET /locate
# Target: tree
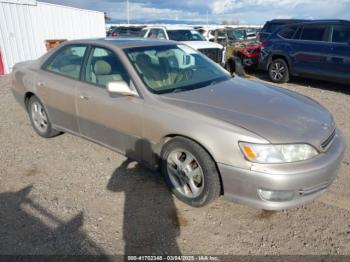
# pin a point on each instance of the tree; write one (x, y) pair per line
(107, 17)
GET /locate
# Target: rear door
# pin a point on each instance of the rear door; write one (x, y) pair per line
(311, 49)
(56, 84)
(339, 57)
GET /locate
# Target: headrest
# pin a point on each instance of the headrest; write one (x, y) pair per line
(102, 68)
(143, 59)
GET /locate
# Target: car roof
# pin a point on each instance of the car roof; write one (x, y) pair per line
(308, 21)
(171, 27)
(287, 20)
(316, 22)
(124, 42)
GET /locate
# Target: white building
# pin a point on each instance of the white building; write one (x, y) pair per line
(25, 26)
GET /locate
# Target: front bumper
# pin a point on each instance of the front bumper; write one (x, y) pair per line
(308, 179)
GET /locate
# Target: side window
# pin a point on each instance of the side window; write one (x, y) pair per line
(104, 66)
(341, 34)
(288, 32)
(314, 33)
(143, 32)
(153, 33)
(161, 34)
(298, 33)
(68, 61)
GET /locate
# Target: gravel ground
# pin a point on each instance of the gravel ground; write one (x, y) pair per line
(69, 196)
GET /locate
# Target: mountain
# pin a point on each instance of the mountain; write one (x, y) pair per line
(159, 21)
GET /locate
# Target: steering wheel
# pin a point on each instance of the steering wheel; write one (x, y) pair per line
(185, 74)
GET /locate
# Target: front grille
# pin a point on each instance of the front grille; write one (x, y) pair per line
(214, 54)
(325, 144)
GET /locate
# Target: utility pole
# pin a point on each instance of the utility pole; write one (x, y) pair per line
(127, 11)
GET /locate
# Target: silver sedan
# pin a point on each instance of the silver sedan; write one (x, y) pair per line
(171, 108)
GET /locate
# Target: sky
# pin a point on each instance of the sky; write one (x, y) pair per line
(244, 11)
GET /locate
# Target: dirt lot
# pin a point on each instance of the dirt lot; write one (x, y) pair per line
(68, 196)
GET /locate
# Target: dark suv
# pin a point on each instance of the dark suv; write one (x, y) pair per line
(273, 25)
(317, 49)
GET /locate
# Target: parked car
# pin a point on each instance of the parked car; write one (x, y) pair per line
(125, 31)
(273, 25)
(110, 29)
(242, 33)
(318, 49)
(241, 52)
(188, 36)
(166, 105)
(209, 33)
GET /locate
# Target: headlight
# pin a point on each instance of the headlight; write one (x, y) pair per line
(273, 154)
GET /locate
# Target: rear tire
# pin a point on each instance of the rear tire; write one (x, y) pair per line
(40, 119)
(190, 172)
(279, 71)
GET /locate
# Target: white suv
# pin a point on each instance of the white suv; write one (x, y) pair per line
(190, 37)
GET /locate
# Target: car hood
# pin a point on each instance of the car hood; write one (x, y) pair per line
(202, 44)
(276, 114)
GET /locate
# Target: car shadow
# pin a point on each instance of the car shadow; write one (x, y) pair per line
(306, 82)
(26, 228)
(151, 223)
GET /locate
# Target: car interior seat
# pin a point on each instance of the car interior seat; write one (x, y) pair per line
(153, 75)
(103, 73)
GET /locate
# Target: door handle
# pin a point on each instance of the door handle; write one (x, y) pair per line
(40, 84)
(84, 97)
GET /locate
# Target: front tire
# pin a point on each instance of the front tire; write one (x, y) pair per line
(40, 119)
(279, 71)
(190, 172)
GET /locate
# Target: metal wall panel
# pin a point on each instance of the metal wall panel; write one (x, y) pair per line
(25, 27)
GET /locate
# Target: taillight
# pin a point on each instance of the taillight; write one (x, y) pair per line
(114, 35)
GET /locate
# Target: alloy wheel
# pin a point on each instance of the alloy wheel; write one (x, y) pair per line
(185, 173)
(39, 117)
(278, 71)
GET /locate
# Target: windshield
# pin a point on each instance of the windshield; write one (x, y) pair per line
(185, 35)
(221, 33)
(236, 34)
(174, 68)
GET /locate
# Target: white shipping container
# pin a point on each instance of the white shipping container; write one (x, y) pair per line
(25, 25)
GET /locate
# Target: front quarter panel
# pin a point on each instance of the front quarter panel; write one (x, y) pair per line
(220, 139)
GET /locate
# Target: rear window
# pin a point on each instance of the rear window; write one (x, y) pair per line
(341, 34)
(314, 33)
(288, 32)
(128, 31)
(271, 27)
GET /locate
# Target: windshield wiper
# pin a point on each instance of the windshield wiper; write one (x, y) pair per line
(177, 90)
(218, 80)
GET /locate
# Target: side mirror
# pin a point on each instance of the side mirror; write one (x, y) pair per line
(120, 88)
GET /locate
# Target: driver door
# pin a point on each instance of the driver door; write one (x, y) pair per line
(114, 121)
